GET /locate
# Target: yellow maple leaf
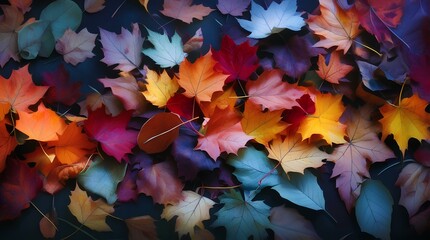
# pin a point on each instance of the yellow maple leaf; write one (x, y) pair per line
(325, 120)
(408, 120)
(90, 213)
(191, 211)
(263, 126)
(294, 154)
(160, 88)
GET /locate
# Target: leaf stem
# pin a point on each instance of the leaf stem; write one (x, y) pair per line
(94, 89)
(77, 229)
(371, 49)
(331, 216)
(401, 92)
(41, 213)
(395, 164)
(173, 128)
(115, 217)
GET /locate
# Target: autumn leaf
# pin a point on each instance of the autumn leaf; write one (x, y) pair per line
(88, 212)
(199, 78)
(223, 133)
(271, 92)
(76, 47)
(184, 10)
(59, 173)
(19, 90)
(23, 5)
(142, 227)
(127, 91)
(43, 125)
(9, 23)
(238, 61)
(93, 6)
(195, 42)
(160, 182)
(262, 126)
(294, 154)
(414, 187)
(111, 132)
(160, 88)
(19, 184)
(7, 144)
(234, 8)
(336, 27)
(112, 105)
(123, 49)
(191, 211)
(335, 70)
(46, 226)
(408, 120)
(61, 88)
(325, 120)
(221, 99)
(144, 4)
(363, 144)
(166, 52)
(274, 19)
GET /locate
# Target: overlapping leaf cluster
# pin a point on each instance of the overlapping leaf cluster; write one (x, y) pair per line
(264, 110)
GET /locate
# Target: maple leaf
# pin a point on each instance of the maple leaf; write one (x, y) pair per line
(61, 88)
(191, 212)
(408, 120)
(142, 227)
(72, 145)
(336, 26)
(9, 23)
(19, 184)
(262, 126)
(93, 6)
(44, 125)
(221, 99)
(287, 223)
(19, 90)
(88, 212)
(160, 182)
(276, 18)
(128, 92)
(7, 144)
(184, 10)
(76, 47)
(242, 217)
(94, 101)
(166, 52)
(123, 49)
(183, 106)
(234, 8)
(111, 132)
(378, 17)
(195, 42)
(350, 158)
(271, 92)
(325, 120)
(199, 78)
(160, 88)
(238, 61)
(335, 70)
(223, 134)
(59, 174)
(294, 154)
(414, 185)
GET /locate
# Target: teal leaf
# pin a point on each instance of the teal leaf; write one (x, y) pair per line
(62, 14)
(276, 18)
(35, 38)
(303, 190)
(251, 166)
(102, 178)
(242, 218)
(373, 209)
(166, 53)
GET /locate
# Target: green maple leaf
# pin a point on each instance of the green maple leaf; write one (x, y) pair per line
(166, 52)
(243, 218)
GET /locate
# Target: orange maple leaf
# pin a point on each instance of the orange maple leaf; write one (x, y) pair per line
(335, 70)
(263, 126)
(7, 144)
(72, 145)
(19, 91)
(222, 100)
(199, 78)
(408, 120)
(336, 26)
(325, 120)
(184, 10)
(44, 125)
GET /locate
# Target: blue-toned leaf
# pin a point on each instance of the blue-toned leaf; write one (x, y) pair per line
(62, 14)
(35, 38)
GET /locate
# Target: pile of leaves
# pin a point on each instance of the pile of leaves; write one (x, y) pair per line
(212, 136)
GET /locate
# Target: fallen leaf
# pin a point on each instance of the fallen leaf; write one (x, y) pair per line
(141, 228)
(60, 173)
(191, 211)
(76, 47)
(144, 4)
(46, 227)
(61, 88)
(94, 101)
(195, 42)
(234, 8)
(23, 5)
(184, 10)
(160, 88)
(93, 6)
(88, 212)
(335, 70)
(221, 99)
(7, 144)
(9, 23)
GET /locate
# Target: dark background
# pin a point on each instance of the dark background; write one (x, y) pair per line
(27, 225)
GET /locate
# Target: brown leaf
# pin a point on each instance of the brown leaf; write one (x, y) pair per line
(46, 228)
(141, 228)
(184, 10)
(93, 6)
